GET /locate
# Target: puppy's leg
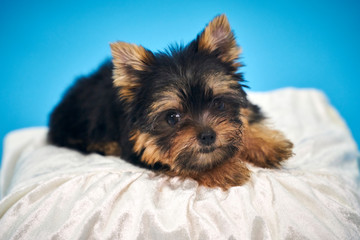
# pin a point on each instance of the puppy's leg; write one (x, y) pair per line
(105, 148)
(229, 174)
(262, 146)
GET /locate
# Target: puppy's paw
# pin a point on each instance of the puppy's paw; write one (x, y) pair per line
(265, 147)
(229, 174)
(271, 155)
(105, 148)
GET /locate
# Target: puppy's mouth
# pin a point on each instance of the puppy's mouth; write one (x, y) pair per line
(204, 158)
(207, 149)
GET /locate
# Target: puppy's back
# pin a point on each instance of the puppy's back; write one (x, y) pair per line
(88, 113)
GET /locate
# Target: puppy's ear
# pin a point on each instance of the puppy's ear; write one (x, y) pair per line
(130, 55)
(129, 58)
(217, 36)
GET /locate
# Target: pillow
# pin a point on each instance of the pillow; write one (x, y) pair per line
(58, 193)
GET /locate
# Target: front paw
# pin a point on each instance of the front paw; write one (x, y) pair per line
(264, 147)
(276, 153)
(229, 174)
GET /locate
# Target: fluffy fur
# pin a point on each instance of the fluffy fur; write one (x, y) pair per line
(182, 112)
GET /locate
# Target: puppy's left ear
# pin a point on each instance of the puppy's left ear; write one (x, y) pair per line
(129, 59)
(217, 36)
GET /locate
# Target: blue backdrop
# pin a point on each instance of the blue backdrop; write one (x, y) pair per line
(44, 45)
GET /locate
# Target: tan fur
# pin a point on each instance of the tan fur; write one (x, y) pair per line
(152, 153)
(186, 140)
(218, 35)
(230, 173)
(262, 146)
(108, 148)
(220, 83)
(167, 100)
(132, 55)
(125, 56)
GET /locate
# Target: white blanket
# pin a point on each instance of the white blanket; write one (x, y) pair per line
(56, 193)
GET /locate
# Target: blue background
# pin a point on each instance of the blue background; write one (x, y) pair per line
(44, 45)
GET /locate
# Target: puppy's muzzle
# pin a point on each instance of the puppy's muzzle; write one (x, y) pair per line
(207, 137)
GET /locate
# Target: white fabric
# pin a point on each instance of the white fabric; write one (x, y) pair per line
(55, 193)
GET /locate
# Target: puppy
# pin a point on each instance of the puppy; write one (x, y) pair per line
(182, 112)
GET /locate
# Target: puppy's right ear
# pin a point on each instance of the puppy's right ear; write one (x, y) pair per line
(129, 58)
(130, 55)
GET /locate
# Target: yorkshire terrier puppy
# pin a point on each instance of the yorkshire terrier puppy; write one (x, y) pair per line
(182, 112)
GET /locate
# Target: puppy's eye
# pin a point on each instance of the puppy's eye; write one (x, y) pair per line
(173, 118)
(218, 104)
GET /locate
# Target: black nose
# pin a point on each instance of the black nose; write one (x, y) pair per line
(207, 137)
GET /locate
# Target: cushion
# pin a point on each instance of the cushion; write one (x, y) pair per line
(58, 193)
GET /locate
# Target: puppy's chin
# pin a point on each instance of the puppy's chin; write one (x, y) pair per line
(204, 159)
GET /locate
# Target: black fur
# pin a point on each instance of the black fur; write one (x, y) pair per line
(89, 113)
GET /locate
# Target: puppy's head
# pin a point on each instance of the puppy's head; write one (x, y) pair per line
(184, 104)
